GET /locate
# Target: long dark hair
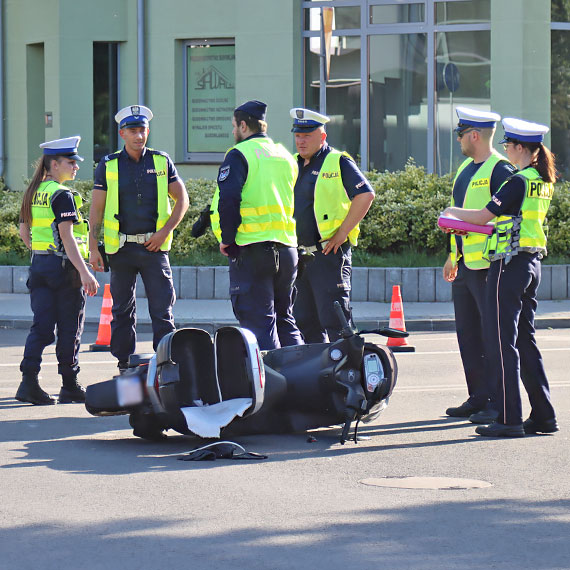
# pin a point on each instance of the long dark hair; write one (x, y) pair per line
(42, 168)
(543, 161)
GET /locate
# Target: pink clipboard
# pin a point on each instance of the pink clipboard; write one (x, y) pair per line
(451, 223)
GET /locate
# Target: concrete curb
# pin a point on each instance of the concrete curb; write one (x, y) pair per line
(413, 325)
(369, 284)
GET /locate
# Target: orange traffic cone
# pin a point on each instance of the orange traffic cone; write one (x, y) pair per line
(103, 342)
(397, 322)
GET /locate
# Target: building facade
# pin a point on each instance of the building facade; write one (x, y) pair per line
(69, 65)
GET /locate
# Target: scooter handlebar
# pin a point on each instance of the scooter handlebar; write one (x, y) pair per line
(387, 331)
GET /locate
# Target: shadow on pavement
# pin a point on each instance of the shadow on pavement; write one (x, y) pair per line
(503, 534)
(106, 446)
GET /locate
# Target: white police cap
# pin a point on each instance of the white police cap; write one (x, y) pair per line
(306, 121)
(523, 131)
(468, 117)
(133, 116)
(62, 147)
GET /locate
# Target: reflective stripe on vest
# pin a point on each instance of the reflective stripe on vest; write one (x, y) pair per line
(507, 240)
(477, 196)
(332, 203)
(111, 223)
(43, 228)
(267, 201)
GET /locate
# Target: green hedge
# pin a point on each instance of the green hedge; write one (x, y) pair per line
(402, 217)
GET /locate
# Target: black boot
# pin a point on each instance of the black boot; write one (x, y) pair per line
(71, 392)
(30, 391)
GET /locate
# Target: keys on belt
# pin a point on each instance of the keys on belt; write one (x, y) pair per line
(133, 238)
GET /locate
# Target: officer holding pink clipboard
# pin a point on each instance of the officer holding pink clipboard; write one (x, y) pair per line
(477, 179)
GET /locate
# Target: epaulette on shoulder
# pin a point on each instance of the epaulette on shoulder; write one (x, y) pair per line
(111, 156)
(153, 151)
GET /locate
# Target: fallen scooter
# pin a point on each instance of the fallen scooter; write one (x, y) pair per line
(197, 386)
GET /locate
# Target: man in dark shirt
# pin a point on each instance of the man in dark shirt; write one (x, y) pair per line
(131, 200)
(478, 178)
(331, 198)
(252, 216)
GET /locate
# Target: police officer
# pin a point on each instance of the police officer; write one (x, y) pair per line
(331, 198)
(515, 250)
(252, 217)
(477, 179)
(130, 200)
(52, 227)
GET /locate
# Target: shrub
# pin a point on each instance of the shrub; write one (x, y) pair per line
(405, 211)
(402, 218)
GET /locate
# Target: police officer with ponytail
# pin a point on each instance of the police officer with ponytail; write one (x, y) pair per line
(515, 250)
(252, 217)
(52, 227)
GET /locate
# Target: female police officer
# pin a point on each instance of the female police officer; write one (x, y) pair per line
(52, 227)
(515, 250)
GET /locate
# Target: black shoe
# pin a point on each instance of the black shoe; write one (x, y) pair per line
(484, 417)
(32, 393)
(500, 430)
(546, 426)
(73, 394)
(123, 366)
(463, 411)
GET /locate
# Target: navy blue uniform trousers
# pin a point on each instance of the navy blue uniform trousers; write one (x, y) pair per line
(468, 291)
(156, 273)
(261, 290)
(324, 280)
(513, 352)
(58, 302)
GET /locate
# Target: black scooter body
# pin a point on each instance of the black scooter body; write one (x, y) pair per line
(289, 389)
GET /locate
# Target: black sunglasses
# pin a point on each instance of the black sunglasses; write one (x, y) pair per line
(461, 132)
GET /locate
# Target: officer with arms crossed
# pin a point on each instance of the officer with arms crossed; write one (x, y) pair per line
(515, 251)
(331, 198)
(131, 200)
(52, 227)
(477, 179)
(252, 217)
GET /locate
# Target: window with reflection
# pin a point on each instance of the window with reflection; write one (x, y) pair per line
(467, 12)
(463, 77)
(398, 100)
(343, 90)
(560, 10)
(397, 13)
(560, 100)
(105, 99)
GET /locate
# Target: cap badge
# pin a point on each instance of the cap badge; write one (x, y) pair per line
(135, 110)
(300, 114)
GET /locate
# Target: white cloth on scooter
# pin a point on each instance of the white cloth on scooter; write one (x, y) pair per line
(206, 421)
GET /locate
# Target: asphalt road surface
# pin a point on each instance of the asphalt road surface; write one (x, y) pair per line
(81, 492)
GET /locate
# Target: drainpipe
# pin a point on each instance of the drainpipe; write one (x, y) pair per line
(1, 88)
(140, 51)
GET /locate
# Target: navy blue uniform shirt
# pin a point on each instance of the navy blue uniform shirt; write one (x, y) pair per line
(503, 171)
(231, 178)
(353, 181)
(138, 196)
(508, 200)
